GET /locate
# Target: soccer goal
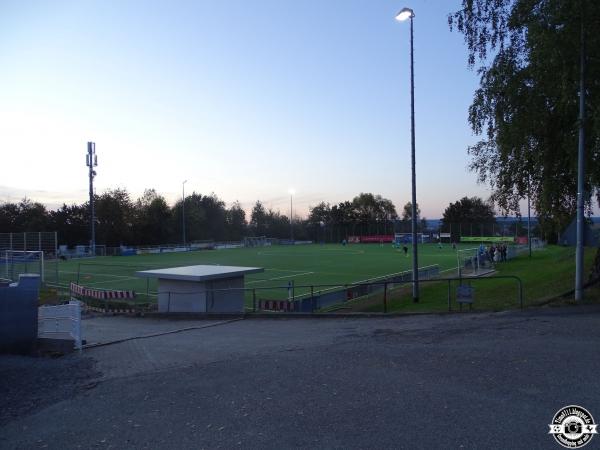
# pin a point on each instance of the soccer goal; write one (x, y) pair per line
(86, 251)
(255, 241)
(20, 261)
(406, 238)
(473, 261)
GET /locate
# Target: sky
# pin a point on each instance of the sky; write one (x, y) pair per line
(246, 99)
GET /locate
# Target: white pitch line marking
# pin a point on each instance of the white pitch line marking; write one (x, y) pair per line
(99, 274)
(94, 283)
(285, 270)
(280, 278)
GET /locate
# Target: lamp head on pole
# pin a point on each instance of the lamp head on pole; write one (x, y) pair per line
(405, 14)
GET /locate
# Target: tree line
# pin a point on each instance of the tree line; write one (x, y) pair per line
(147, 220)
(150, 220)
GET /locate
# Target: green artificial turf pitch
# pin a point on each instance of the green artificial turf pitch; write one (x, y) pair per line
(549, 273)
(305, 265)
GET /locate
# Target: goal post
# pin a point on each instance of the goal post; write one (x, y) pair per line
(468, 260)
(406, 238)
(19, 262)
(474, 260)
(31, 241)
(255, 241)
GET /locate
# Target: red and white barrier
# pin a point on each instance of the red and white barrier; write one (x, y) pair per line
(99, 294)
(276, 305)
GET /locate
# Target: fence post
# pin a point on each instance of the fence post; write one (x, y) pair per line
(520, 283)
(254, 300)
(385, 297)
(312, 299)
(449, 297)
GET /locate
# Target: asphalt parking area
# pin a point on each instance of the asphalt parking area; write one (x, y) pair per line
(453, 381)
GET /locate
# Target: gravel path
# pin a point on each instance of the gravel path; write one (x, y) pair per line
(29, 384)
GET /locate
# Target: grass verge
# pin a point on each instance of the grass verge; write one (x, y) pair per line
(549, 274)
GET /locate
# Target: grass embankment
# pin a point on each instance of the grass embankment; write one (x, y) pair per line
(548, 274)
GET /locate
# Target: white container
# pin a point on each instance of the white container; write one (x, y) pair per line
(61, 322)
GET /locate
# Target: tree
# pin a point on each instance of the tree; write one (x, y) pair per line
(71, 223)
(152, 217)
(369, 207)
(205, 217)
(23, 216)
(319, 220)
(215, 217)
(320, 213)
(9, 213)
(277, 225)
(236, 222)
(114, 216)
(407, 212)
(526, 107)
(343, 213)
(258, 219)
(469, 210)
(423, 226)
(405, 225)
(31, 216)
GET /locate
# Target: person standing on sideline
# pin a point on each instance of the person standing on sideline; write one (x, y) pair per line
(405, 248)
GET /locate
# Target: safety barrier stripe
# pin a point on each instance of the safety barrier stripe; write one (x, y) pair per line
(276, 305)
(99, 294)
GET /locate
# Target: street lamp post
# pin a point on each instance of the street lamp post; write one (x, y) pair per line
(580, 175)
(529, 215)
(292, 192)
(183, 210)
(404, 14)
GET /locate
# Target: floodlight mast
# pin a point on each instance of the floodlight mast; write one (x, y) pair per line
(91, 161)
(405, 14)
(580, 173)
(291, 192)
(183, 212)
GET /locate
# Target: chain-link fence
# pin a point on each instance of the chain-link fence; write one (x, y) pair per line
(455, 232)
(385, 296)
(29, 252)
(510, 231)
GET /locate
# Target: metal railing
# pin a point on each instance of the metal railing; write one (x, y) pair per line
(324, 297)
(381, 294)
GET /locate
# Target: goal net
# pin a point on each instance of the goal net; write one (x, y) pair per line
(474, 260)
(82, 251)
(19, 262)
(406, 238)
(256, 241)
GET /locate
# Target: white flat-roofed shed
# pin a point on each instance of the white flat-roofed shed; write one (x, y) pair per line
(201, 289)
